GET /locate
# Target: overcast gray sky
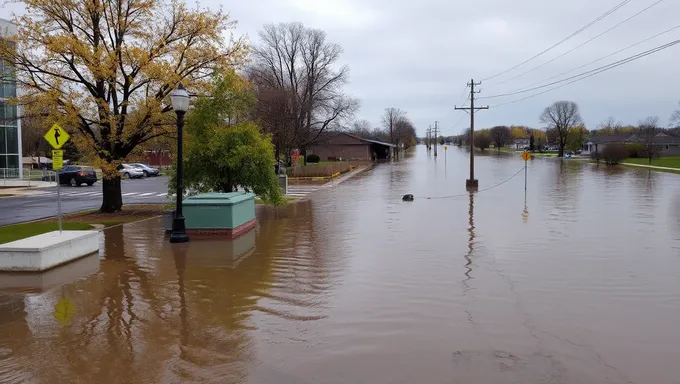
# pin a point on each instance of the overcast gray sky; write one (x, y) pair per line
(418, 55)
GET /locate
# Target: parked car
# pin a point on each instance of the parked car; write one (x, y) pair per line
(128, 171)
(148, 170)
(77, 175)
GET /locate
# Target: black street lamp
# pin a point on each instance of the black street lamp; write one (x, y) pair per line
(180, 103)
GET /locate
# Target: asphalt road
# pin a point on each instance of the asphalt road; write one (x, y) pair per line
(42, 202)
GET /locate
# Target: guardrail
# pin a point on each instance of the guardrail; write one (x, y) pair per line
(11, 177)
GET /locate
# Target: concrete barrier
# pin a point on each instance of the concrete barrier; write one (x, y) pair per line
(42, 252)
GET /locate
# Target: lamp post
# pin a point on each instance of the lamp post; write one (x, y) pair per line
(180, 103)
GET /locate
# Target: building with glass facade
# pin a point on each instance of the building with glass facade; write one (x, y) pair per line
(10, 125)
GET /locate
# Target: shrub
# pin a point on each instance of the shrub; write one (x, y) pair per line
(635, 150)
(313, 158)
(614, 153)
(319, 170)
(597, 156)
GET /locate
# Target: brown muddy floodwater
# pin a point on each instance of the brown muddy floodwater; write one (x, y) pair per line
(356, 286)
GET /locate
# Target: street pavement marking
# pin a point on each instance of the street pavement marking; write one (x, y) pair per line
(146, 194)
(129, 194)
(162, 194)
(300, 191)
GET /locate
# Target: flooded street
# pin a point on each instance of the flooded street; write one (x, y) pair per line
(356, 286)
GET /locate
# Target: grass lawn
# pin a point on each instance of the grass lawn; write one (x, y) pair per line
(79, 221)
(670, 162)
(6, 195)
(14, 232)
(286, 200)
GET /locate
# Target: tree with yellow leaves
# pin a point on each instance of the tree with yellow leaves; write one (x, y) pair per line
(106, 68)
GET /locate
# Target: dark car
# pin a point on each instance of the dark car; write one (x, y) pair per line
(75, 175)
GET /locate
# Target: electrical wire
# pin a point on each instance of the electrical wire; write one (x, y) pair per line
(585, 77)
(609, 12)
(606, 57)
(480, 191)
(591, 72)
(581, 45)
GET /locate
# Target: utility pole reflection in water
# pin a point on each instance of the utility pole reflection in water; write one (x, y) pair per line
(471, 242)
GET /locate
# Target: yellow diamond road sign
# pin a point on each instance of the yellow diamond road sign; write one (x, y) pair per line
(56, 136)
(526, 156)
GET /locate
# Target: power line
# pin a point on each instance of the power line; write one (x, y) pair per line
(609, 12)
(607, 56)
(582, 44)
(606, 68)
(596, 70)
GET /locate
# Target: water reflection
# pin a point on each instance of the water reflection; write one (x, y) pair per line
(355, 286)
(471, 241)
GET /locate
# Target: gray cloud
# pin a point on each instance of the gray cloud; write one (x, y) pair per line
(418, 55)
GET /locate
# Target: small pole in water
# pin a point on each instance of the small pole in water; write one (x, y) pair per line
(58, 204)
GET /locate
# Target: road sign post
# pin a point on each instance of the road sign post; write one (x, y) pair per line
(446, 148)
(57, 137)
(57, 164)
(525, 156)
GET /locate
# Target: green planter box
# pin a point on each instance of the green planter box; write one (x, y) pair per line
(219, 211)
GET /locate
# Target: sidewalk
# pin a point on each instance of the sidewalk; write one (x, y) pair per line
(22, 187)
(347, 176)
(652, 167)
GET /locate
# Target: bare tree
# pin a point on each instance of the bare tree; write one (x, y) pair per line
(561, 117)
(648, 130)
(675, 118)
(405, 132)
(302, 65)
(500, 135)
(390, 119)
(32, 130)
(609, 126)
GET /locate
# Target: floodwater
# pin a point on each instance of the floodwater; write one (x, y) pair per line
(581, 285)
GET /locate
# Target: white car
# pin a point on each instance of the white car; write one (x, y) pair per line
(127, 171)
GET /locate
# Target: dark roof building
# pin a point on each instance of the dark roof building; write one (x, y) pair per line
(342, 145)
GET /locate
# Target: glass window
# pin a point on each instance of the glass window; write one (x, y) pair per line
(10, 115)
(13, 161)
(2, 113)
(3, 162)
(12, 141)
(3, 147)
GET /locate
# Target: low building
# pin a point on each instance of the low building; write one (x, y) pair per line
(670, 145)
(520, 144)
(36, 162)
(345, 146)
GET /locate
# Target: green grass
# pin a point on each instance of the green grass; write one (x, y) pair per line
(15, 232)
(6, 195)
(286, 199)
(651, 169)
(669, 162)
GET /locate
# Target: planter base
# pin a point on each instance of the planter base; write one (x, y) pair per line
(222, 232)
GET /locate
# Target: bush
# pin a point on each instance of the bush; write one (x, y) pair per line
(319, 170)
(635, 150)
(597, 156)
(313, 158)
(614, 153)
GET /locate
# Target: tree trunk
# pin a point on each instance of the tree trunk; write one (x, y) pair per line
(560, 153)
(112, 201)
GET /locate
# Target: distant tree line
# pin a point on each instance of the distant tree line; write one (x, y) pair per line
(565, 130)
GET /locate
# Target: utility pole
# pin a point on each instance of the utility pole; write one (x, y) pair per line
(429, 133)
(436, 137)
(472, 184)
